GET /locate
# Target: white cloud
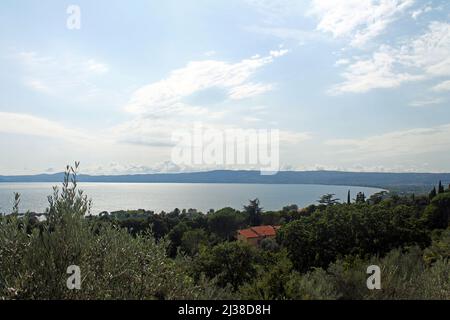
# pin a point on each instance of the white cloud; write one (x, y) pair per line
(291, 138)
(161, 108)
(251, 119)
(38, 85)
(358, 20)
(426, 102)
(197, 76)
(210, 53)
(377, 72)
(441, 87)
(430, 51)
(97, 67)
(342, 62)
(54, 144)
(25, 124)
(407, 143)
(249, 90)
(416, 13)
(61, 76)
(419, 58)
(278, 53)
(152, 132)
(144, 131)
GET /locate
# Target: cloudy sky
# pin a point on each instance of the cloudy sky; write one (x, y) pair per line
(359, 85)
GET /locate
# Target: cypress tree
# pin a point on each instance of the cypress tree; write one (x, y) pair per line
(348, 197)
(254, 211)
(441, 187)
(433, 193)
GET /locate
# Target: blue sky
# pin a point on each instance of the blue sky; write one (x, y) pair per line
(357, 85)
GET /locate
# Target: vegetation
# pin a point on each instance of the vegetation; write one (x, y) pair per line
(320, 252)
(114, 264)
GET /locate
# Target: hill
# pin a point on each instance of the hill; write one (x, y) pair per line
(392, 181)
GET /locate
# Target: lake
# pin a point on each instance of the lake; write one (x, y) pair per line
(168, 196)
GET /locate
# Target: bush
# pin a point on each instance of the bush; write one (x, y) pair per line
(192, 240)
(271, 279)
(404, 275)
(230, 263)
(437, 213)
(358, 229)
(315, 285)
(113, 263)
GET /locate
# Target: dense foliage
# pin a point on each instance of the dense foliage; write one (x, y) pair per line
(320, 252)
(114, 264)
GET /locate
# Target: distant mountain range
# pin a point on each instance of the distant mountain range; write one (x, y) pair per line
(369, 179)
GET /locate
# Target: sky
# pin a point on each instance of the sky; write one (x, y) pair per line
(354, 85)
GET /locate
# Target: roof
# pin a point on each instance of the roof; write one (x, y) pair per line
(248, 233)
(259, 231)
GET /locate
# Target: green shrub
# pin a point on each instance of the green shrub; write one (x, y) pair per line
(230, 263)
(272, 276)
(113, 263)
(404, 275)
(315, 285)
(358, 229)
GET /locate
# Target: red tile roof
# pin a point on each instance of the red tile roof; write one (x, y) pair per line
(248, 233)
(259, 231)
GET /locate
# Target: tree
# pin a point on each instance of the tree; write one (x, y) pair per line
(114, 264)
(16, 203)
(437, 213)
(270, 282)
(269, 244)
(440, 188)
(225, 222)
(254, 211)
(319, 239)
(360, 197)
(229, 262)
(158, 226)
(175, 235)
(376, 198)
(433, 193)
(192, 240)
(348, 198)
(328, 199)
(290, 208)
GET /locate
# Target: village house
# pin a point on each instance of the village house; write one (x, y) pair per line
(254, 235)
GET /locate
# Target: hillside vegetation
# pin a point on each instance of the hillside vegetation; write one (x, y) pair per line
(320, 252)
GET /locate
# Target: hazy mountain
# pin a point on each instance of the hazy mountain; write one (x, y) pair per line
(373, 179)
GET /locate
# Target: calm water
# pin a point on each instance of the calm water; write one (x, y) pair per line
(167, 196)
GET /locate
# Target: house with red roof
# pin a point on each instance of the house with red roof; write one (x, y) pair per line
(254, 235)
